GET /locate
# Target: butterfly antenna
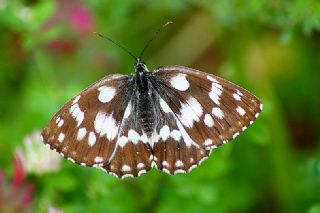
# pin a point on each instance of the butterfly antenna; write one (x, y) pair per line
(153, 37)
(112, 41)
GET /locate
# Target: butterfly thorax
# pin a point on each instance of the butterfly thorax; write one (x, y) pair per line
(145, 108)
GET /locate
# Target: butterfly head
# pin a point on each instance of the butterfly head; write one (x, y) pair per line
(140, 66)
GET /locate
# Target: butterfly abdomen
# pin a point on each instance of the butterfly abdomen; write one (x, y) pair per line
(145, 113)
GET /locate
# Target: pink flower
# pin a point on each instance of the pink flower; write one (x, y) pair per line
(16, 196)
(81, 20)
(72, 14)
(75, 18)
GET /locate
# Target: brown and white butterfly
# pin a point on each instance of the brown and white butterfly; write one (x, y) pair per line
(170, 118)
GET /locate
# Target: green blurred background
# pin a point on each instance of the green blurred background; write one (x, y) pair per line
(48, 53)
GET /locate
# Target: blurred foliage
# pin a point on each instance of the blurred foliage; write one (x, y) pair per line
(49, 53)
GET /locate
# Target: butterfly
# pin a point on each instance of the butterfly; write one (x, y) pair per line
(170, 118)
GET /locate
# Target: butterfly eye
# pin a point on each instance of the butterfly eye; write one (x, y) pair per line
(140, 67)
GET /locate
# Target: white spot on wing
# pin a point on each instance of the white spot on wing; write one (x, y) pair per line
(77, 113)
(214, 97)
(141, 172)
(60, 123)
(210, 78)
(195, 105)
(92, 139)
(76, 99)
(126, 168)
(111, 173)
(154, 165)
(216, 111)
(164, 132)
(144, 138)
(190, 112)
(179, 163)
(154, 138)
(166, 171)
(106, 94)
(127, 175)
(187, 116)
(176, 135)
(203, 159)
(208, 120)
(208, 142)
(217, 88)
(61, 137)
(192, 167)
(216, 91)
(70, 159)
(261, 107)
(180, 82)
(236, 96)
(235, 135)
(179, 171)
(122, 141)
(240, 110)
(98, 159)
(106, 125)
(127, 111)
(81, 133)
(165, 163)
(133, 136)
(239, 93)
(188, 141)
(185, 135)
(140, 165)
(164, 106)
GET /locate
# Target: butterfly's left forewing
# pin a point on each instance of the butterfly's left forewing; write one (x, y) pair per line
(210, 109)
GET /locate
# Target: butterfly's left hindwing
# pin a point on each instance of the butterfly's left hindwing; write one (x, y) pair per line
(174, 150)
